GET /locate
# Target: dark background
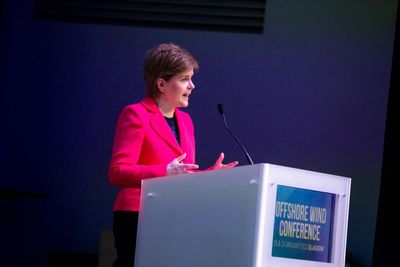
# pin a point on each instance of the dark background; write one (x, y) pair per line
(311, 91)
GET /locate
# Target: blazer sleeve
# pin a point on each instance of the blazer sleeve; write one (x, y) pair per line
(124, 170)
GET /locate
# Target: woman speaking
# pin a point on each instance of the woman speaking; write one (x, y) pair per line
(153, 138)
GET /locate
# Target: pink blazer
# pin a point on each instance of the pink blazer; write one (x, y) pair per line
(143, 146)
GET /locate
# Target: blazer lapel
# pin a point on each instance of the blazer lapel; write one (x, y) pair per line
(160, 125)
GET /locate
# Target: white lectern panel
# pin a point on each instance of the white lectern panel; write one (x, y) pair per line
(197, 220)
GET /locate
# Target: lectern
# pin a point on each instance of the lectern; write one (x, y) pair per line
(261, 215)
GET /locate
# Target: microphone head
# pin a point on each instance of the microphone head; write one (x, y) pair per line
(221, 108)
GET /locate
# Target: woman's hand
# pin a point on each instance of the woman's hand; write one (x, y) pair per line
(177, 167)
(218, 164)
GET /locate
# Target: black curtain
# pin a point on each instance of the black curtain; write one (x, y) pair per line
(387, 230)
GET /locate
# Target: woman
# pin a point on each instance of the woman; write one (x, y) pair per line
(153, 138)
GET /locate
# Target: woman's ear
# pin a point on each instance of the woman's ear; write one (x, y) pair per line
(161, 84)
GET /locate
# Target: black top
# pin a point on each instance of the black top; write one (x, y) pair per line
(173, 124)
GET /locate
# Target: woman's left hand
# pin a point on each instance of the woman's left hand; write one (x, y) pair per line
(218, 164)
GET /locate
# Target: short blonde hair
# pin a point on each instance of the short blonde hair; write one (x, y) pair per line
(164, 61)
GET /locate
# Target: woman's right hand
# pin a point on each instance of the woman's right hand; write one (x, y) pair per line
(218, 164)
(177, 167)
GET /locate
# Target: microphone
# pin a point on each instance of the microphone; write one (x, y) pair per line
(222, 112)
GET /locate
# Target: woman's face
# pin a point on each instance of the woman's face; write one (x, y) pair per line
(175, 92)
